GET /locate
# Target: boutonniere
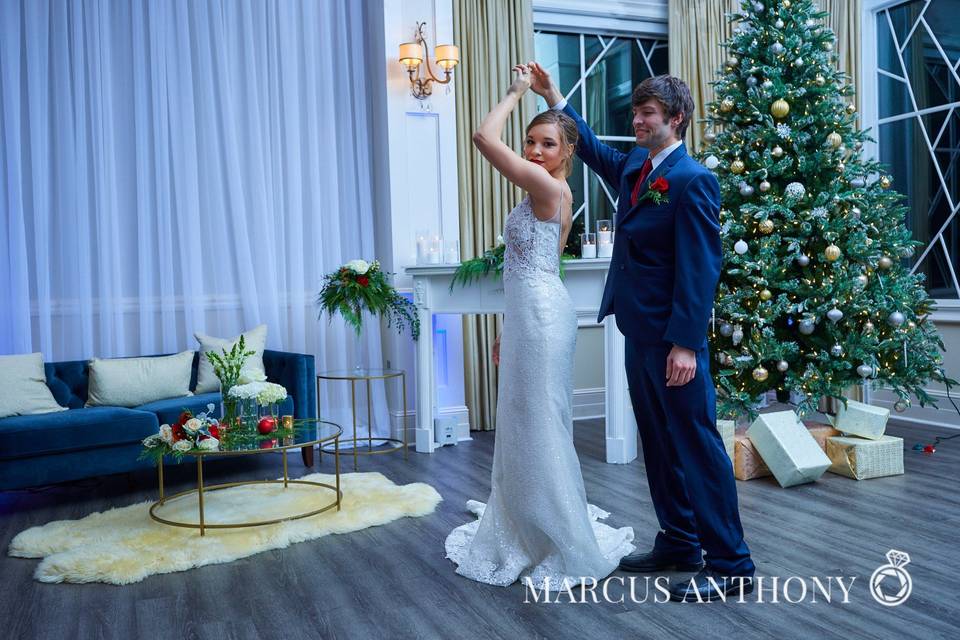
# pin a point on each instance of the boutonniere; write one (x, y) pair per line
(657, 191)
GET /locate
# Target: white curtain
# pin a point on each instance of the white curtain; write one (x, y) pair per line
(172, 166)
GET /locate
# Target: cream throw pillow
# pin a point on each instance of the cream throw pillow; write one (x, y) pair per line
(256, 341)
(23, 386)
(130, 382)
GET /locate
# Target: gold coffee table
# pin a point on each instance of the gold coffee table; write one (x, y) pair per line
(355, 376)
(302, 432)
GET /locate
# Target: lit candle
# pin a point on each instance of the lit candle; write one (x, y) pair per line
(588, 245)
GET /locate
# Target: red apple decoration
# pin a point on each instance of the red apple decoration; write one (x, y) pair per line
(267, 425)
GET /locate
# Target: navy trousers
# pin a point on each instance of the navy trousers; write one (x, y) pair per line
(690, 475)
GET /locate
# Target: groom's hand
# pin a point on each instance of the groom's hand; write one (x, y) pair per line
(681, 366)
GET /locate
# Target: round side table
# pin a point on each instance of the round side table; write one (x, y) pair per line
(365, 445)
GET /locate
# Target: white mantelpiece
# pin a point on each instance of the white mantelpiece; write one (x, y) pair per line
(584, 280)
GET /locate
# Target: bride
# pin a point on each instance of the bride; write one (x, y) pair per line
(536, 523)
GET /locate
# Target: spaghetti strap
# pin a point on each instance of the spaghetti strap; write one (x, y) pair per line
(556, 217)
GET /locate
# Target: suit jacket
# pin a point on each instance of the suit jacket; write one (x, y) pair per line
(666, 258)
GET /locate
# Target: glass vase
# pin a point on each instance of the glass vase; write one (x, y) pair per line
(249, 413)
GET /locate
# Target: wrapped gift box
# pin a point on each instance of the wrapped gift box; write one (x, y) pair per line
(859, 419)
(788, 449)
(747, 463)
(727, 429)
(820, 432)
(863, 459)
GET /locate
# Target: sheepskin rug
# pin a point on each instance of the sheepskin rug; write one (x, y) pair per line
(124, 545)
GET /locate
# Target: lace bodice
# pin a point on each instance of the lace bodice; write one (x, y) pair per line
(533, 246)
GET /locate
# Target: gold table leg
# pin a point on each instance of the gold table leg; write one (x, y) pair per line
(285, 476)
(320, 446)
(353, 406)
(160, 473)
(369, 418)
(336, 456)
(200, 491)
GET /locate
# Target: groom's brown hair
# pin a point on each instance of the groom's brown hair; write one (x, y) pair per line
(670, 91)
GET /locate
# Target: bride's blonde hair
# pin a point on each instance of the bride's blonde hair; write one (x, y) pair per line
(568, 132)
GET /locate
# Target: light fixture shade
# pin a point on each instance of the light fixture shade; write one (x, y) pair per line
(447, 55)
(411, 54)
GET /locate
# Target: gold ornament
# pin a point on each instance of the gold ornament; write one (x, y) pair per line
(766, 294)
(766, 227)
(832, 253)
(760, 374)
(851, 108)
(820, 80)
(726, 104)
(776, 152)
(834, 140)
(885, 182)
(737, 166)
(885, 262)
(780, 108)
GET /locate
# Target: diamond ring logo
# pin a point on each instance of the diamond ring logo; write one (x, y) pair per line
(890, 584)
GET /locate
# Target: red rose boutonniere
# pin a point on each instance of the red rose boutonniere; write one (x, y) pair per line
(657, 192)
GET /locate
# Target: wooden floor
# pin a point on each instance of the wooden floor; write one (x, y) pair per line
(394, 582)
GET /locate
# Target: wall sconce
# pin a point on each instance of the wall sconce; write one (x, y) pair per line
(412, 54)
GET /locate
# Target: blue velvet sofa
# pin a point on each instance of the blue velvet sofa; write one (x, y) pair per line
(91, 441)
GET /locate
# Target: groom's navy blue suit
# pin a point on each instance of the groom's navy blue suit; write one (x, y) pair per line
(661, 285)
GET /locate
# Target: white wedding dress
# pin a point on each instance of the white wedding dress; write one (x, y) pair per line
(536, 522)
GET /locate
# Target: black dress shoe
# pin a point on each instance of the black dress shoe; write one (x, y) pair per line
(659, 561)
(700, 589)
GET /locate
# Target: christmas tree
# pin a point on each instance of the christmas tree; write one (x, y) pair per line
(815, 293)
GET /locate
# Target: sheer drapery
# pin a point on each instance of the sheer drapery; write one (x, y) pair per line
(171, 166)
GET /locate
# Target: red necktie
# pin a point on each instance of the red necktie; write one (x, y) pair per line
(644, 172)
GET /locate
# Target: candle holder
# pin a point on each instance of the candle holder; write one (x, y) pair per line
(604, 239)
(588, 245)
(435, 249)
(422, 245)
(452, 253)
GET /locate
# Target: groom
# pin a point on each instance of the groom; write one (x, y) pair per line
(661, 285)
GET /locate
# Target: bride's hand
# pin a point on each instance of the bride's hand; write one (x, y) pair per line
(521, 81)
(496, 351)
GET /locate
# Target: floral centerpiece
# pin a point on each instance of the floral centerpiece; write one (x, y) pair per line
(190, 432)
(258, 393)
(228, 367)
(360, 286)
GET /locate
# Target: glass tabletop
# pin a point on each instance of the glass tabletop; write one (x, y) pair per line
(305, 432)
(359, 374)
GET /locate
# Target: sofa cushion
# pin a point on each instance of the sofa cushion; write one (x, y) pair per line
(73, 430)
(23, 386)
(255, 340)
(128, 382)
(169, 410)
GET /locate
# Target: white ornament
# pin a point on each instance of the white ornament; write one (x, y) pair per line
(711, 162)
(798, 62)
(745, 189)
(776, 48)
(834, 315)
(767, 84)
(795, 190)
(895, 319)
(782, 366)
(737, 335)
(865, 370)
(778, 24)
(858, 183)
(803, 260)
(740, 247)
(764, 186)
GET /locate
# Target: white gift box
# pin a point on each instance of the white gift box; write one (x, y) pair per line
(859, 419)
(862, 459)
(787, 448)
(727, 429)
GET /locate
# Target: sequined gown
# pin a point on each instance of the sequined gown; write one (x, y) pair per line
(536, 522)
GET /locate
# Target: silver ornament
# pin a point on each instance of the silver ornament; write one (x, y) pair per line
(711, 162)
(740, 247)
(778, 24)
(806, 327)
(776, 48)
(895, 319)
(758, 7)
(776, 152)
(798, 62)
(836, 351)
(726, 329)
(858, 183)
(767, 84)
(855, 212)
(834, 315)
(764, 186)
(861, 280)
(751, 81)
(901, 405)
(710, 136)
(803, 260)
(865, 370)
(782, 366)
(737, 336)
(745, 189)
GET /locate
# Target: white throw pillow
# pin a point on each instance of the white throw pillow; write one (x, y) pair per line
(130, 382)
(255, 340)
(23, 386)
